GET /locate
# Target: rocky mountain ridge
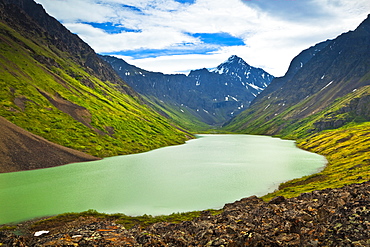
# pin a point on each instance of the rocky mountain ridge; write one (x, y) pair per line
(338, 68)
(211, 96)
(295, 66)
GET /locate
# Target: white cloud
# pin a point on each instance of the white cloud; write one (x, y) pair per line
(274, 31)
(146, 39)
(78, 10)
(177, 63)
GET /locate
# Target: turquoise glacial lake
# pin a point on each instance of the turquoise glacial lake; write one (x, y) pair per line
(203, 173)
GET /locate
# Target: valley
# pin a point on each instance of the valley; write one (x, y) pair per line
(62, 103)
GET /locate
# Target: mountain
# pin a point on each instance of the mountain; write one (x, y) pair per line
(29, 18)
(323, 103)
(239, 72)
(56, 87)
(295, 65)
(232, 85)
(326, 91)
(204, 96)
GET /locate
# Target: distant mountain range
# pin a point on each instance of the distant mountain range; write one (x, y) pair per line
(211, 96)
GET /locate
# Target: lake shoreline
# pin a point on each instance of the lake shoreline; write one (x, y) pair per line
(206, 173)
(329, 217)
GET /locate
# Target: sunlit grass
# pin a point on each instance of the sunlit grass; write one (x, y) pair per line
(116, 123)
(348, 153)
(127, 221)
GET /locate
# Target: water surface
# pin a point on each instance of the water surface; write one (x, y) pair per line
(204, 173)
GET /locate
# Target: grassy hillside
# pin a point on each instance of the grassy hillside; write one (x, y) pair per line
(347, 150)
(182, 116)
(44, 91)
(322, 122)
(349, 108)
(340, 132)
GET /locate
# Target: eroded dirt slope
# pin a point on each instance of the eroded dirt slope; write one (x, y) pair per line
(22, 150)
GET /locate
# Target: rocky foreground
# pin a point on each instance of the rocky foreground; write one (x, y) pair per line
(331, 217)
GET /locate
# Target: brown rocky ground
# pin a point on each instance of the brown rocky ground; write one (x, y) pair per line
(331, 217)
(22, 150)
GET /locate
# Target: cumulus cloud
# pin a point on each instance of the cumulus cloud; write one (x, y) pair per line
(160, 35)
(149, 39)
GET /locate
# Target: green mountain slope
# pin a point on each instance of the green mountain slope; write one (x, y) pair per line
(66, 94)
(325, 106)
(181, 116)
(347, 151)
(339, 68)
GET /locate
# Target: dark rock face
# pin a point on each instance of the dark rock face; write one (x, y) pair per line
(331, 217)
(213, 96)
(357, 110)
(295, 66)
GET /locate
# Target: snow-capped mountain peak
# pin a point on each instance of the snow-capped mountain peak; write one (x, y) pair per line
(232, 65)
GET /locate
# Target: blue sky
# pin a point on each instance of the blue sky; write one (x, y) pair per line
(173, 36)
